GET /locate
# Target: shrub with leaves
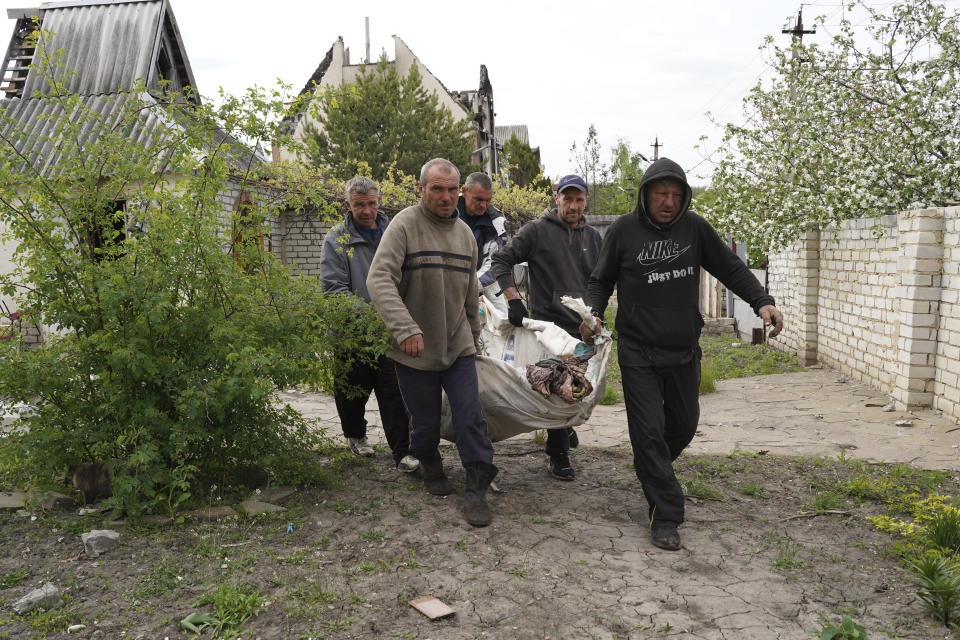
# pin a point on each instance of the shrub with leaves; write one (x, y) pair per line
(171, 327)
(943, 531)
(938, 578)
(846, 630)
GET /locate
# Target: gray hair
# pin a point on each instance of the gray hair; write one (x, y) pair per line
(440, 163)
(361, 185)
(480, 179)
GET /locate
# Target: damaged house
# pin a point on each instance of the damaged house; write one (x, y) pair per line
(110, 49)
(475, 105)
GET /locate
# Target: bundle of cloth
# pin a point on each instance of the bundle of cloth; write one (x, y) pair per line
(564, 378)
(534, 377)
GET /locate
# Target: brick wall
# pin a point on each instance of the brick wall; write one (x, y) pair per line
(878, 299)
(298, 240)
(946, 382)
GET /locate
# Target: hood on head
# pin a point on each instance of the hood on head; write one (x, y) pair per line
(661, 169)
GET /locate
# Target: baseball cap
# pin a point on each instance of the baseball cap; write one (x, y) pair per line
(571, 180)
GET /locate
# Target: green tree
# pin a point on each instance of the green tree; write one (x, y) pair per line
(385, 121)
(863, 126)
(626, 170)
(173, 327)
(587, 163)
(524, 168)
(520, 204)
(613, 187)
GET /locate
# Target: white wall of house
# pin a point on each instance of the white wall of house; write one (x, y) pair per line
(6, 263)
(879, 299)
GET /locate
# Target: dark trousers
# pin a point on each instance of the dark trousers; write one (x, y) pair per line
(663, 408)
(558, 441)
(423, 397)
(381, 379)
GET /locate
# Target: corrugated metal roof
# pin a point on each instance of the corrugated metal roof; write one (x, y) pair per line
(30, 126)
(503, 133)
(108, 45)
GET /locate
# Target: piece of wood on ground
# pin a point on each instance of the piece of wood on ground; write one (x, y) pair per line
(431, 607)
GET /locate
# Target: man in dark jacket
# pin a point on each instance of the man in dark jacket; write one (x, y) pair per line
(653, 256)
(345, 259)
(560, 249)
(489, 228)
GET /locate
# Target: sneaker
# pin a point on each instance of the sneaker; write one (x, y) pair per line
(574, 440)
(666, 536)
(560, 468)
(360, 446)
(408, 464)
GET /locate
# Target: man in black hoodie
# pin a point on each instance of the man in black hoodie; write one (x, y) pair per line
(560, 249)
(653, 256)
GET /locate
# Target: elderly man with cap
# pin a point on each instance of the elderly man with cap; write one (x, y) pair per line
(489, 229)
(560, 250)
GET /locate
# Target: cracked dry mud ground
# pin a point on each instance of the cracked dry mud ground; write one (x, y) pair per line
(561, 560)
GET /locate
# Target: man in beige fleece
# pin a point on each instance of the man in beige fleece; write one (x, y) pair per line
(423, 283)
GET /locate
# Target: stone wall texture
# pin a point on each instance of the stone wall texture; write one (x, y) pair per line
(878, 300)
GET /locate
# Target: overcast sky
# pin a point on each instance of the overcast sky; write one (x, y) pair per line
(636, 70)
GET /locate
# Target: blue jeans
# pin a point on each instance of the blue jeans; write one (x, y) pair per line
(423, 397)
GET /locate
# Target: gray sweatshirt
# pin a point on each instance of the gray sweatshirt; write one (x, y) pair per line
(423, 281)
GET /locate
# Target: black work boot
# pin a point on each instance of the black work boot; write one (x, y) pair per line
(475, 508)
(560, 467)
(434, 479)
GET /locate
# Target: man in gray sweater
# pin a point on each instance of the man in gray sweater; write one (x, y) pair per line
(423, 282)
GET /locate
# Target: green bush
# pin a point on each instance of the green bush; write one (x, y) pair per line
(174, 327)
(610, 396)
(938, 578)
(943, 531)
(846, 630)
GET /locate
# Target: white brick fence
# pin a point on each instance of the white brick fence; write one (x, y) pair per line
(878, 299)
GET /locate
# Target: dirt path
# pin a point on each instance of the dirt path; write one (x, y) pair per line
(561, 560)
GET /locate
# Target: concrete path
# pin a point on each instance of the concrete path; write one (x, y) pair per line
(817, 412)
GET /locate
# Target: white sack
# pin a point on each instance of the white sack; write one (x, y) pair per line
(510, 405)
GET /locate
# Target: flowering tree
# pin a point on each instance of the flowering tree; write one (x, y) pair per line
(866, 125)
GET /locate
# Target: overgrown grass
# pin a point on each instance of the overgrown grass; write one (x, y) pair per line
(233, 604)
(724, 357)
(164, 577)
(13, 578)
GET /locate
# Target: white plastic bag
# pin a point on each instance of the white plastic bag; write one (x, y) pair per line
(510, 405)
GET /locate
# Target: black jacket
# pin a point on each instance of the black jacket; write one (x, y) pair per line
(490, 231)
(656, 270)
(559, 260)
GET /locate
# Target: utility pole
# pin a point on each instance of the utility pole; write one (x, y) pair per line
(797, 32)
(656, 148)
(366, 26)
